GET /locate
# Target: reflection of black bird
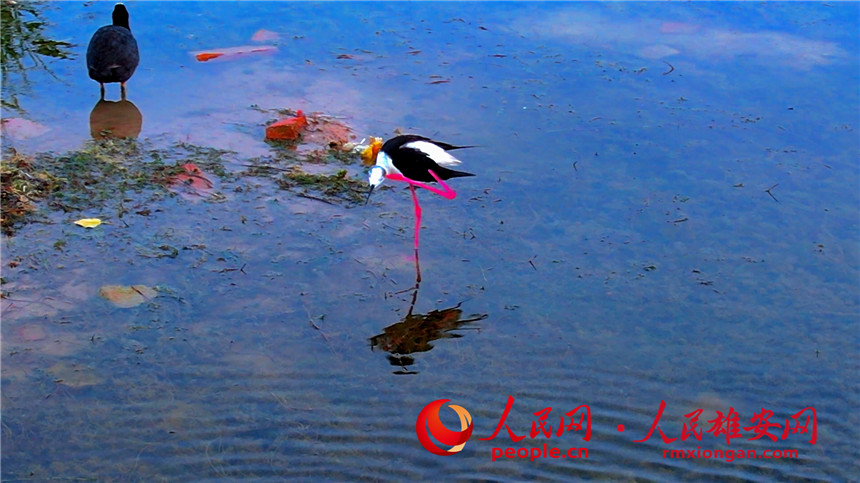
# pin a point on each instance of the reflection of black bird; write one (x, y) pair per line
(112, 55)
(115, 119)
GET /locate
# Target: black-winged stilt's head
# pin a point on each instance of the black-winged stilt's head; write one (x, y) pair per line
(369, 158)
(375, 178)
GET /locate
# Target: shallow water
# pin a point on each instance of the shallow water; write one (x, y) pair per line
(665, 208)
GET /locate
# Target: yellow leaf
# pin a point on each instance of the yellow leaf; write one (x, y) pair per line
(125, 296)
(88, 222)
(368, 156)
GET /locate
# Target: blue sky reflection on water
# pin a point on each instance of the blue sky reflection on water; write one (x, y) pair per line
(619, 239)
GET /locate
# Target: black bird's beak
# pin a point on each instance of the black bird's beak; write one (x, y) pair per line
(368, 195)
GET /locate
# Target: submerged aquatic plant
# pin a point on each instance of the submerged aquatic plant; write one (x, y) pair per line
(328, 188)
(102, 172)
(24, 46)
(23, 185)
(108, 171)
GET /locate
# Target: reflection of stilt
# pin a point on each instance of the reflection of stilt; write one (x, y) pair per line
(417, 333)
(417, 282)
(415, 287)
(417, 269)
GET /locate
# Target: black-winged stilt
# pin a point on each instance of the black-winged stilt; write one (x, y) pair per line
(414, 160)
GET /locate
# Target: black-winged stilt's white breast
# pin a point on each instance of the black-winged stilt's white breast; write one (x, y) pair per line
(414, 160)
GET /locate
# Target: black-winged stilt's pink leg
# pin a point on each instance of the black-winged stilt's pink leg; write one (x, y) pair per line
(417, 215)
(416, 286)
(446, 192)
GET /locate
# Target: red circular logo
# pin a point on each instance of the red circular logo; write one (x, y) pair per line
(428, 423)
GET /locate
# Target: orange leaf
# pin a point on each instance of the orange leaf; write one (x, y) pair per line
(204, 56)
(288, 129)
(233, 52)
(192, 178)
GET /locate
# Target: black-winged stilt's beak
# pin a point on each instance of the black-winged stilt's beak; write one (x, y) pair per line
(368, 195)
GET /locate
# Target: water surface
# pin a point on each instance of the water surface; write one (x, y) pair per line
(665, 208)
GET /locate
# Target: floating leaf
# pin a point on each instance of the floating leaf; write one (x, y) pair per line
(192, 183)
(327, 132)
(204, 56)
(88, 222)
(658, 51)
(264, 35)
(125, 296)
(233, 52)
(287, 129)
(73, 375)
(678, 28)
(368, 154)
(193, 177)
(18, 128)
(30, 333)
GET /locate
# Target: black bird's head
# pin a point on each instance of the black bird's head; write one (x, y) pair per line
(120, 16)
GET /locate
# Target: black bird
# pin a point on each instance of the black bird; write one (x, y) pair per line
(112, 55)
(414, 160)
